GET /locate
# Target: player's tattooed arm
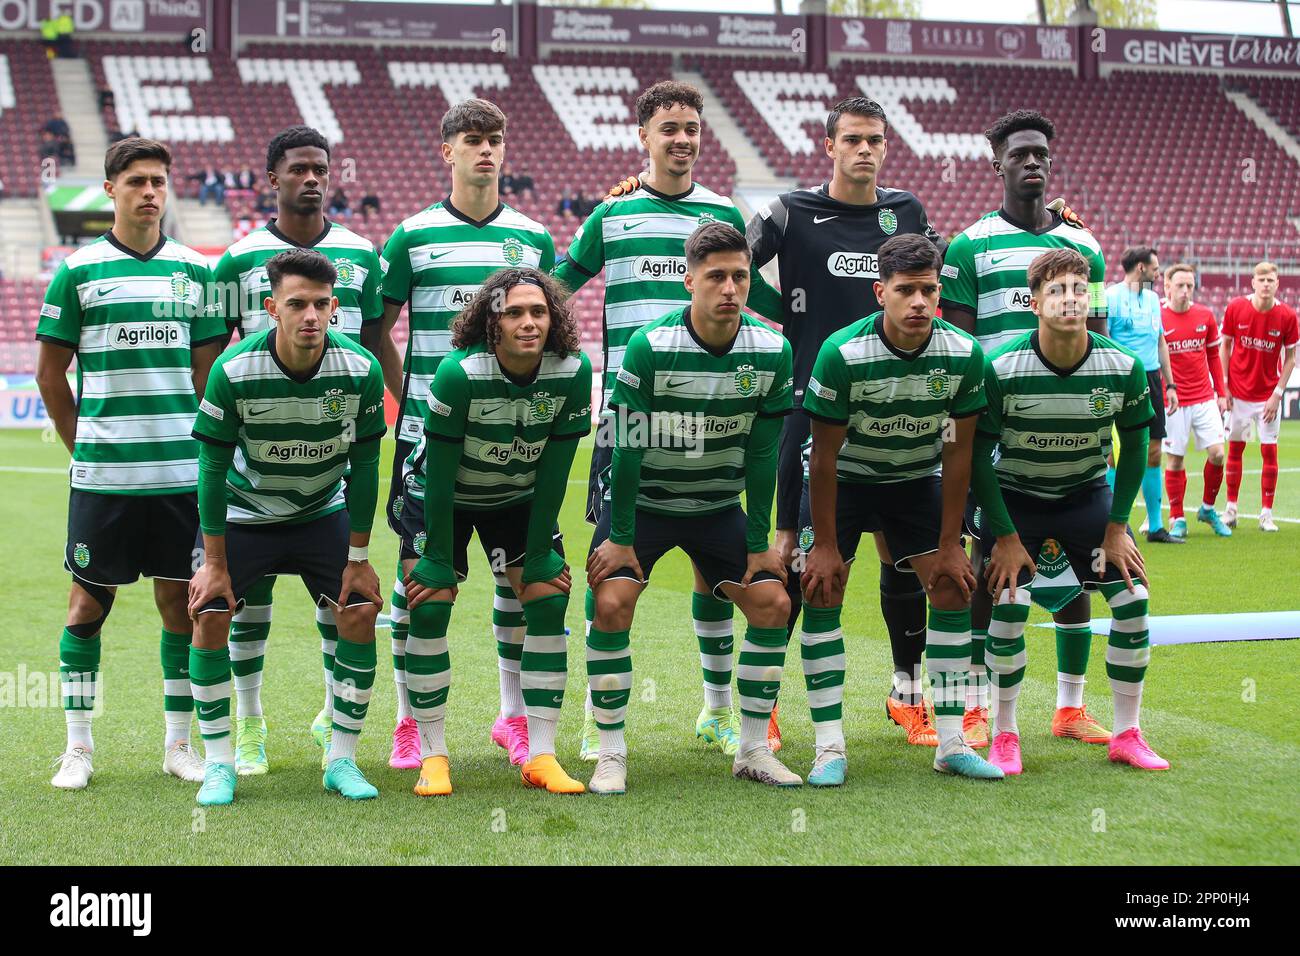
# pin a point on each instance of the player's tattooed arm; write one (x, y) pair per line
(824, 571)
(52, 364)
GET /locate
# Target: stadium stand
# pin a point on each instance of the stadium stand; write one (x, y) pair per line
(1134, 174)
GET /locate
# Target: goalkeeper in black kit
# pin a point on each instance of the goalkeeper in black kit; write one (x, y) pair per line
(827, 238)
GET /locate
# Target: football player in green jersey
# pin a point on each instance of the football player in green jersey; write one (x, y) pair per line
(1053, 396)
(133, 308)
(285, 413)
(985, 292)
(506, 409)
(892, 401)
(636, 238)
(696, 414)
(436, 261)
(298, 168)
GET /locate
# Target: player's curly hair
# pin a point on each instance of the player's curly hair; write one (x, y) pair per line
(665, 95)
(292, 138)
(480, 320)
(1014, 122)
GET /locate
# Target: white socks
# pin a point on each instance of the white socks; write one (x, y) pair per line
(1069, 690)
(541, 736)
(432, 737)
(343, 745)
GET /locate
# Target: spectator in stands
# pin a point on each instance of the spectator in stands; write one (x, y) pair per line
(582, 205)
(246, 179)
(49, 145)
(369, 202)
(67, 153)
(106, 98)
(63, 27)
(211, 184)
(339, 204)
(58, 126)
(265, 202)
(566, 206)
(506, 182)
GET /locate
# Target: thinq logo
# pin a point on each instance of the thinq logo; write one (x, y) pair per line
(77, 909)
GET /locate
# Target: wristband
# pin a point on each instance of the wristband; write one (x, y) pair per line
(1170, 387)
(358, 554)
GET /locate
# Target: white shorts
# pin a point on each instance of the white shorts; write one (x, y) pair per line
(1201, 420)
(1246, 422)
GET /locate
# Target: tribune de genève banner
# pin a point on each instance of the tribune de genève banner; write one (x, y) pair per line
(934, 39)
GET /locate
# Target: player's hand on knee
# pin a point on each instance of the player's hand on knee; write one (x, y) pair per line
(769, 560)
(952, 563)
(1007, 559)
(209, 583)
(359, 577)
(608, 558)
(1122, 551)
(824, 576)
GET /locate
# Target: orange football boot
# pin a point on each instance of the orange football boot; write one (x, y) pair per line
(915, 719)
(1077, 723)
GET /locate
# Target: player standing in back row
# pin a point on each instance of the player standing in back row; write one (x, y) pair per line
(1259, 341)
(827, 239)
(639, 239)
(986, 292)
(298, 169)
(131, 307)
(436, 260)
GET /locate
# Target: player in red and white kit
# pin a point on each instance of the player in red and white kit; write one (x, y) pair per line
(1259, 340)
(1192, 335)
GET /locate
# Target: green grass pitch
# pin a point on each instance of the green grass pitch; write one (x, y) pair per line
(1220, 712)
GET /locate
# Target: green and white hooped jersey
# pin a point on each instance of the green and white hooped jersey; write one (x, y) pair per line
(242, 282)
(1053, 426)
(986, 266)
(640, 241)
(291, 437)
(132, 320)
(503, 426)
(694, 407)
(436, 260)
(894, 404)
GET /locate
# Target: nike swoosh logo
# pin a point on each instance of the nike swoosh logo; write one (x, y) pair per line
(772, 690)
(439, 255)
(107, 291)
(995, 646)
(994, 262)
(254, 412)
(672, 384)
(727, 646)
(818, 680)
(605, 699)
(917, 633)
(820, 219)
(494, 409)
(558, 699)
(1136, 640)
(627, 226)
(206, 712)
(1026, 406)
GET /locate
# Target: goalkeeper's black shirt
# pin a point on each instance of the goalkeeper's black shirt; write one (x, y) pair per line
(827, 263)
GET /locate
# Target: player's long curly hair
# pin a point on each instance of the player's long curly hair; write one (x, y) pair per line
(480, 320)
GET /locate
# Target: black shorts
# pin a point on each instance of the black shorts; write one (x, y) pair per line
(908, 512)
(503, 533)
(116, 539)
(393, 508)
(714, 542)
(602, 459)
(1078, 523)
(1158, 405)
(316, 551)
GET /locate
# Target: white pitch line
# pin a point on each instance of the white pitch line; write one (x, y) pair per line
(22, 470)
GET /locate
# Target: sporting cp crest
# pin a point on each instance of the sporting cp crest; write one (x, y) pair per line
(397, 507)
(81, 554)
(418, 542)
(746, 380)
(806, 540)
(936, 383)
(181, 286)
(334, 404)
(346, 272)
(1099, 403)
(706, 218)
(888, 221)
(512, 250)
(542, 408)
